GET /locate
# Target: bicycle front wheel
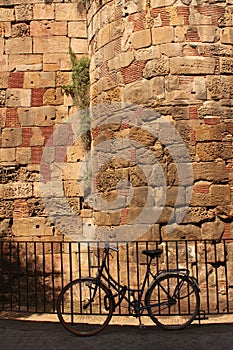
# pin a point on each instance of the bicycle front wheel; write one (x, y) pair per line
(173, 301)
(85, 308)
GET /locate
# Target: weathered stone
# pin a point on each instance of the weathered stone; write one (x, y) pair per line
(43, 28)
(212, 230)
(210, 171)
(36, 226)
(226, 65)
(43, 11)
(210, 133)
(39, 79)
(220, 87)
(23, 155)
(7, 155)
(24, 12)
(210, 151)
(138, 92)
(190, 65)
(53, 97)
(107, 219)
(162, 35)
(19, 30)
(18, 98)
(51, 44)
(11, 137)
(156, 67)
(16, 190)
(77, 29)
(37, 116)
(181, 232)
(194, 215)
(141, 39)
(22, 45)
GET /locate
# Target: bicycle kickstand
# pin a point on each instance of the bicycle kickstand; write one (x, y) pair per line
(141, 325)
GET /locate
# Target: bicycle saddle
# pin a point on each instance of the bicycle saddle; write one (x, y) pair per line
(153, 253)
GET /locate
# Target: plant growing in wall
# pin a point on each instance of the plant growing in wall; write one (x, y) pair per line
(79, 90)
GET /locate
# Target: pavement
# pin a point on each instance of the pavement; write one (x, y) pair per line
(25, 334)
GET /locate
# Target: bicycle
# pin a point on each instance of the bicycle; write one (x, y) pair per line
(85, 305)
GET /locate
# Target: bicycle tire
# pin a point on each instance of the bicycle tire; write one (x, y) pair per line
(78, 314)
(178, 312)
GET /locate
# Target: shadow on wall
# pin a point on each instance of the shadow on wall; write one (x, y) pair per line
(28, 281)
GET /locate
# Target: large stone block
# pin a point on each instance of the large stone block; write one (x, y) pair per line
(7, 14)
(43, 28)
(210, 171)
(39, 80)
(16, 190)
(18, 45)
(24, 62)
(156, 67)
(139, 92)
(43, 11)
(141, 39)
(77, 29)
(208, 33)
(212, 230)
(3, 63)
(31, 227)
(162, 35)
(11, 137)
(7, 155)
(192, 65)
(56, 62)
(210, 132)
(68, 12)
(18, 98)
(37, 116)
(79, 46)
(24, 12)
(53, 44)
(227, 35)
(23, 155)
(209, 151)
(180, 232)
(226, 65)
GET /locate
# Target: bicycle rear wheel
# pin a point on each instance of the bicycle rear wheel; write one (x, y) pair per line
(178, 299)
(84, 308)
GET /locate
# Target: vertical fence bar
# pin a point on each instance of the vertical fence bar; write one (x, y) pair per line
(18, 273)
(206, 279)
(1, 279)
(216, 276)
(226, 275)
(53, 276)
(10, 275)
(43, 274)
(35, 275)
(27, 283)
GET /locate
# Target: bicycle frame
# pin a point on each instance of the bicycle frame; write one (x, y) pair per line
(121, 290)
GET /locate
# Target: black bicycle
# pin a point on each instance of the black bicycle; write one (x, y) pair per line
(85, 305)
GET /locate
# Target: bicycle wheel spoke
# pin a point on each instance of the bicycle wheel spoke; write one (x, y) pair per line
(84, 308)
(178, 298)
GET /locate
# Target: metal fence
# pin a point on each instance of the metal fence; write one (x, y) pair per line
(33, 273)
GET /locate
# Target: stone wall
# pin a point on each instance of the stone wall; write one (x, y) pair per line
(172, 57)
(175, 58)
(35, 36)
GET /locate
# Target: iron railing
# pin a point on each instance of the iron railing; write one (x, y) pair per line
(33, 273)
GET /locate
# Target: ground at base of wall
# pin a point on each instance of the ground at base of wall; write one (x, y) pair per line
(116, 320)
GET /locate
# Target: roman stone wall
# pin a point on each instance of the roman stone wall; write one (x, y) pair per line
(35, 36)
(175, 58)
